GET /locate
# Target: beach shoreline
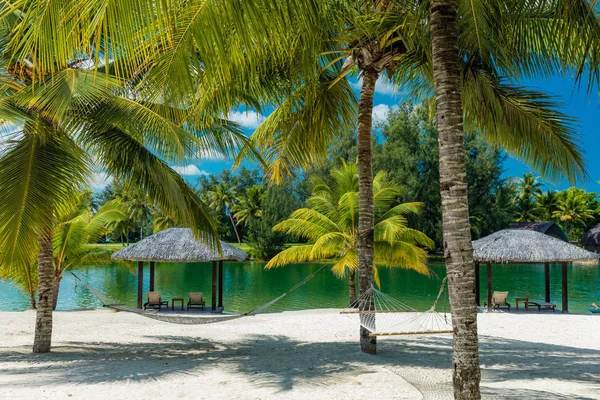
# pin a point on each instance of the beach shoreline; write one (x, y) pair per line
(101, 354)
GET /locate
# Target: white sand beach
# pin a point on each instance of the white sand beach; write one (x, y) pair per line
(102, 354)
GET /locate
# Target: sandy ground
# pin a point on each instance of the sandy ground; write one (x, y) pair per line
(103, 354)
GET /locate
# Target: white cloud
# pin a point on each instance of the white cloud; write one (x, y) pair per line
(190, 170)
(99, 180)
(247, 119)
(380, 112)
(384, 86)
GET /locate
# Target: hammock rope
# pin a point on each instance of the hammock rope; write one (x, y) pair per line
(188, 319)
(384, 315)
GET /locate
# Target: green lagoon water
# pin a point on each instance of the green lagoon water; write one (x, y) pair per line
(248, 285)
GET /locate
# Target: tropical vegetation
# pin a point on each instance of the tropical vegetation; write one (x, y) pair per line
(330, 224)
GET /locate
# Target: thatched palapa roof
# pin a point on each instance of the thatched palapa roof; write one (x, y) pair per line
(177, 245)
(549, 228)
(522, 245)
(591, 236)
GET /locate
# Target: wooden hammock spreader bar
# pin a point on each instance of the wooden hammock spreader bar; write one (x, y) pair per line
(376, 311)
(409, 333)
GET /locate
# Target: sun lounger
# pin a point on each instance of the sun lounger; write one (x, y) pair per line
(196, 299)
(499, 300)
(543, 305)
(155, 301)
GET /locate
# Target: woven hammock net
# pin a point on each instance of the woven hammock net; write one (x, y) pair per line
(189, 319)
(384, 315)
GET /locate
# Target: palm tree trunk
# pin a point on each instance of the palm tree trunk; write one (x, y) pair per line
(366, 218)
(352, 286)
(43, 322)
(455, 212)
(237, 235)
(32, 302)
(55, 289)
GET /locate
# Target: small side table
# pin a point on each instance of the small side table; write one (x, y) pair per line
(174, 300)
(522, 299)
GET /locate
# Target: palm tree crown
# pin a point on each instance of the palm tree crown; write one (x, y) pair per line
(330, 223)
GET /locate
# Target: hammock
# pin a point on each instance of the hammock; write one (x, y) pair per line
(383, 315)
(188, 319)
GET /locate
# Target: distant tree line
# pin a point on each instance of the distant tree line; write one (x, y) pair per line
(247, 207)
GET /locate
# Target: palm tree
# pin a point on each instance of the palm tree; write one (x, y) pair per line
(248, 207)
(330, 223)
(573, 210)
(528, 186)
(446, 61)
(222, 199)
(527, 210)
(136, 202)
(75, 235)
(548, 204)
(66, 114)
(162, 222)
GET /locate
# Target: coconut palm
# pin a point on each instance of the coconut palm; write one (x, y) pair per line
(450, 34)
(528, 186)
(573, 210)
(248, 207)
(65, 114)
(222, 199)
(548, 204)
(76, 233)
(330, 223)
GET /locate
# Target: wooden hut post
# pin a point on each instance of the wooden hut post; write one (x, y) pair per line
(214, 286)
(547, 281)
(489, 286)
(565, 294)
(140, 283)
(220, 283)
(152, 276)
(477, 285)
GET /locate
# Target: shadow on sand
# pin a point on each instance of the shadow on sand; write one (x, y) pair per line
(282, 363)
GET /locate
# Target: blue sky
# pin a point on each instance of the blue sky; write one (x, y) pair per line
(576, 103)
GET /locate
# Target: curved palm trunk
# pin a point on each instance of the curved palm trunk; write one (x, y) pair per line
(237, 235)
(352, 286)
(32, 302)
(455, 213)
(55, 289)
(368, 344)
(43, 321)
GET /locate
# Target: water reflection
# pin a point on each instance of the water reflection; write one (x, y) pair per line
(248, 285)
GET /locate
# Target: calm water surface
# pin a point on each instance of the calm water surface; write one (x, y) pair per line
(248, 285)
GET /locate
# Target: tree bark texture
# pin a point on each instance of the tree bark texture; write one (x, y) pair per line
(43, 322)
(352, 286)
(455, 214)
(366, 218)
(55, 289)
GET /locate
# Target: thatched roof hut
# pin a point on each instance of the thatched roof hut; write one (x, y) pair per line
(591, 239)
(527, 246)
(522, 245)
(549, 228)
(177, 245)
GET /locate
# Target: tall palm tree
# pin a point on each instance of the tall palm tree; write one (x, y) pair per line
(458, 250)
(66, 114)
(331, 222)
(445, 34)
(528, 186)
(222, 199)
(248, 206)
